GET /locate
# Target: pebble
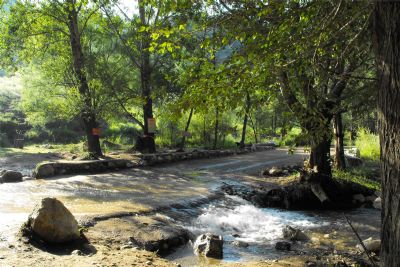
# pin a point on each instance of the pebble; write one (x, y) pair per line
(2, 257)
(149, 263)
(77, 252)
(126, 247)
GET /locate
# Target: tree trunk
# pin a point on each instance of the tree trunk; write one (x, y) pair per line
(182, 144)
(340, 162)
(216, 129)
(320, 157)
(387, 48)
(145, 76)
(242, 141)
(254, 127)
(87, 113)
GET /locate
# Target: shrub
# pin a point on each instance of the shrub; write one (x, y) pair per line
(368, 144)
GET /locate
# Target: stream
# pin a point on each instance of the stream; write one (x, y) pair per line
(258, 229)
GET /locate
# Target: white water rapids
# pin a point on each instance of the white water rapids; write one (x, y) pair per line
(251, 224)
(238, 220)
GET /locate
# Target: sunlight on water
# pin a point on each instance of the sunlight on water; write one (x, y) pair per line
(253, 225)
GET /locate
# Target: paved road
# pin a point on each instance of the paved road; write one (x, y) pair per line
(135, 189)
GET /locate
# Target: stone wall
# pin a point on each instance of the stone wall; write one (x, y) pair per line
(159, 158)
(49, 169)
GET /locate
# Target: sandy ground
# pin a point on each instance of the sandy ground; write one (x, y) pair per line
(137, 190)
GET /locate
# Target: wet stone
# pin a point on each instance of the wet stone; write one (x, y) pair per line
(283, 245)
(240, 244)
(209, 245)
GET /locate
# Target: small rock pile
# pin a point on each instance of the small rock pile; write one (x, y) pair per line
(280, 171)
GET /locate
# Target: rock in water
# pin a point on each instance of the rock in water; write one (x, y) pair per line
(209, 245)
(11, 177)
(282, 245)
(294, 234)
(53, 222)
(44, 170)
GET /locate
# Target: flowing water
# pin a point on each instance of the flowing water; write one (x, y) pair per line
(238, 220)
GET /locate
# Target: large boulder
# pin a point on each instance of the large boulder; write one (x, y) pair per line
(52, 222)
(294, 234)
(44, 170)
(209, 245)
(11, 177)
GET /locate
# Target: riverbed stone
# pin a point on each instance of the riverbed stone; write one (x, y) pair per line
(11, 177)
(275, 171)
(44, 170)
(294, 234)
(359, 198)
(52, 222)
(209, 245)
(378, 203)
(240, 244)
(283, 245)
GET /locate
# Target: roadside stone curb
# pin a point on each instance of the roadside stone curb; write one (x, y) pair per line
(160, 158)
(50, 169)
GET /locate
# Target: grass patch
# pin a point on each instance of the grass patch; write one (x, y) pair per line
(361, 176)
(368, 144)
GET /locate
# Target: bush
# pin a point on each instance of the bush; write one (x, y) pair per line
(368, 144)
(4, 142)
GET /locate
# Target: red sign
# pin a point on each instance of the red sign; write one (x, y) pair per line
(96, 131)
(151, 122)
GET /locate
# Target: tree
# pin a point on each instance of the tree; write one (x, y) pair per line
(387, 38)
(53, 32)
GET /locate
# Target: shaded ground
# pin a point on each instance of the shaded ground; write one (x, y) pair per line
(137, 191)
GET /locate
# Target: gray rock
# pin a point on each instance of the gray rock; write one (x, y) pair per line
(53, 222)
(11, 177)
(44, 170)
(283, 245)
(378, 203)
(240, 244)
(359, 198)
(154, 233)
(77, 252)
(275, 171)
(209, 245)
(294, 234)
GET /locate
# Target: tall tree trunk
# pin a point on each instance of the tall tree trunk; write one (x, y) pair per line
(320, 158)
(216, 129)
(145, 76)
(340, 162)
(87, 113)
(387, 48)
(248, 103)
(182, 144)
(254, 127)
